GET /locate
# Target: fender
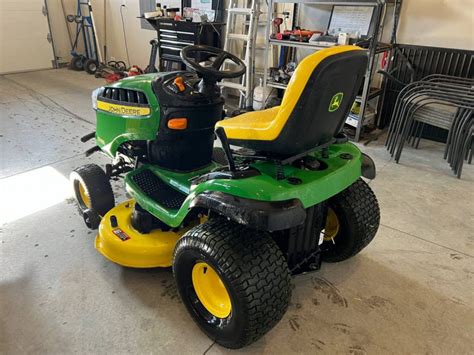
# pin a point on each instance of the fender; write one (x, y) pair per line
(368, 167)
(261, 215)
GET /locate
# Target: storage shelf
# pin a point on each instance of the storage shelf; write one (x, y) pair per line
(373, 93)
(285, 43)
(383, 47)
(333, 3)
(372, 45)
(276, 85)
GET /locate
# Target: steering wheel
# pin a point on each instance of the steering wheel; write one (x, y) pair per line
(190, 55)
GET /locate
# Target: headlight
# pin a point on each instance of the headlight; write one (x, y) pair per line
(94, 96)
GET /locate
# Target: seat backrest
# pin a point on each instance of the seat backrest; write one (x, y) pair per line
(318, 99)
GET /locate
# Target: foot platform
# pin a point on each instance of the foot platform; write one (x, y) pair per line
(151, 185)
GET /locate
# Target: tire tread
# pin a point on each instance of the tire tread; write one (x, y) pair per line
(241, 252)
(98, 185)
(362, 209)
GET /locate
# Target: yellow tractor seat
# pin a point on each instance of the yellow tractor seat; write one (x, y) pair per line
(313, 110)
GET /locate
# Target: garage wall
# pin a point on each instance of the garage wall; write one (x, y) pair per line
(437, 23)
(20, 48)
(440, 23)
(137, 38)
(59, 29)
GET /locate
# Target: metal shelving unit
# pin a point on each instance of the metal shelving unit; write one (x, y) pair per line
(332, 2)
(374, 46)
(296, 44)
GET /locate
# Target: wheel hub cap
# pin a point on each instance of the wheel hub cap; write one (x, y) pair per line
(332, 226)
(211, 290)
(84, 196)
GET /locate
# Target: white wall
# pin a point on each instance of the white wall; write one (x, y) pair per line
(20, 48)
(58, 27)
(137, 38)
(437, 23)
(108, 24)
(441, 23)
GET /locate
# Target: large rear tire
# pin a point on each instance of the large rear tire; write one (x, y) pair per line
(234, 281)
(352, 222)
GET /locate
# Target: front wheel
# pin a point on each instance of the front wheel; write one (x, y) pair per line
(234, 281)
(92, 189)
(352, 221)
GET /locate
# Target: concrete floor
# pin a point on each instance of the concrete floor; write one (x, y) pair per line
(410, 291)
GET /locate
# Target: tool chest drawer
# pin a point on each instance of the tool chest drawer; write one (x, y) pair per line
(175, 35)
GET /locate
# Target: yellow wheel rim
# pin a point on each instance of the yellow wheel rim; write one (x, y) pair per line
(211, 290)
(332, 226)
(84, 196)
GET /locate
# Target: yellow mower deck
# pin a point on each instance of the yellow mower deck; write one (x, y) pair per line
(127, 247)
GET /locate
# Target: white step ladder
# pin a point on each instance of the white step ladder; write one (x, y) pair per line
(249, 23)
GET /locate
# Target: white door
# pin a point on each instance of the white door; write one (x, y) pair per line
(24, 43)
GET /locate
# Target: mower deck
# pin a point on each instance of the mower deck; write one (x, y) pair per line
(119, 242)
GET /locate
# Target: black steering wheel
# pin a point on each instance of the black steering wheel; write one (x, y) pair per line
(193, 55)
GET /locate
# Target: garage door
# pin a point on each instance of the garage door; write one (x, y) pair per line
(24, 29)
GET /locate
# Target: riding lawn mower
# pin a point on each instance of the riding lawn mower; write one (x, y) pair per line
(282, 193)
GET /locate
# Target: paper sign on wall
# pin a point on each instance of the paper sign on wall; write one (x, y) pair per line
(351, 19)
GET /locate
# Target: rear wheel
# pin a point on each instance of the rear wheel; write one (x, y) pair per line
(234, 281)
(92, 189)
(352, 221)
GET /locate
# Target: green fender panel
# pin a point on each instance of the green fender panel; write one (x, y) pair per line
(315, 186)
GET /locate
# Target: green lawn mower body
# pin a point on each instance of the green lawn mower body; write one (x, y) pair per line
(299, 189)
(244, 214)
(122, 121)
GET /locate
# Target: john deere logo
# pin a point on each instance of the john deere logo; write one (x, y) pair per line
(336, 102)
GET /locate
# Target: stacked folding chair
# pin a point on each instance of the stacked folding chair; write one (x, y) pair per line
(460, 143)
(437, 100)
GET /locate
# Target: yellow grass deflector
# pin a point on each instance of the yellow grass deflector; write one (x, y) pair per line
(127, 247)
(266, 125)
